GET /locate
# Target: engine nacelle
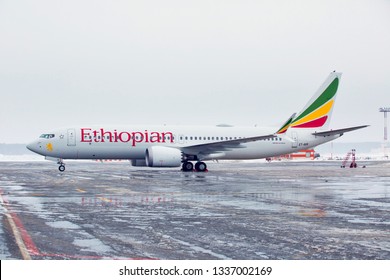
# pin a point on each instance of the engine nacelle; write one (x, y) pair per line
(159, 156)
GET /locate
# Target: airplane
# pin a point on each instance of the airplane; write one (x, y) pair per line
(175, 145)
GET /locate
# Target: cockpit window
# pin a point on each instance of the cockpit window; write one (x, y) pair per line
(47, 136)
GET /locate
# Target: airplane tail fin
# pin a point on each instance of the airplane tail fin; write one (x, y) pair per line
(318, 111)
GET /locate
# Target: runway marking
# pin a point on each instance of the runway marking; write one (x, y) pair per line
(104, 199)
(22, 238)
(37, 194)
(316, 213)
(27, 246)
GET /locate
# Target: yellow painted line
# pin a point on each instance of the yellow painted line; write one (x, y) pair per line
(16, 232)
(37, 194)
(81, 190)
(104, 199)
(18, 238)
(316, 213)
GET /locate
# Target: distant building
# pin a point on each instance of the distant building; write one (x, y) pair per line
(302, 154)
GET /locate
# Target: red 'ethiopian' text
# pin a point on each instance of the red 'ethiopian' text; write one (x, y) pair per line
(88, 135)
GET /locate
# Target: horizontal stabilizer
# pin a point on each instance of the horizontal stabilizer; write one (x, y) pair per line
(338, 131)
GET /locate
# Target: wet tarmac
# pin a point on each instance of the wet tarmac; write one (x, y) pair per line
(256, 210)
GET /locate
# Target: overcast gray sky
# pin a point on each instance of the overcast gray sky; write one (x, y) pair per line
(65, 63)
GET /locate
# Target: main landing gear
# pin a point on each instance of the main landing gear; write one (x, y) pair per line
(200, 166)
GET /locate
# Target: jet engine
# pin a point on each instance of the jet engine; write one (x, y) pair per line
(159, 156)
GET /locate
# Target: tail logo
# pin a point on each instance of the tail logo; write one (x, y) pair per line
(316, 113)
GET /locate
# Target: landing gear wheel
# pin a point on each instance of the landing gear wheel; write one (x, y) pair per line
(200, 166)
(61, 168)
(187, 166)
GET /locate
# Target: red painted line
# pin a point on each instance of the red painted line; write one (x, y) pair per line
(27, 240)
(33, 249)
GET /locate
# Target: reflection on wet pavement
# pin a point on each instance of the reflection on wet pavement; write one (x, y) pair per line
(295, 210)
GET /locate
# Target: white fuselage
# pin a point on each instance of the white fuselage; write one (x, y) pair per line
(131, 142)
(172, 146)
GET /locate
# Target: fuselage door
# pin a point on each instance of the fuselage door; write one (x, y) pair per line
(71, 137)
(295, 140)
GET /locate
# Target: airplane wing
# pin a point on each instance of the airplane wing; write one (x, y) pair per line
(338, 131)
(221, 146)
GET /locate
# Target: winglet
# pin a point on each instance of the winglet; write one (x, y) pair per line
(286, 125)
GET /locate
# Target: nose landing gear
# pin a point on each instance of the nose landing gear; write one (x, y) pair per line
(61, 168)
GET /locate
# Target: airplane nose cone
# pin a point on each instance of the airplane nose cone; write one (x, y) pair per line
(30, 146)
(33, 146)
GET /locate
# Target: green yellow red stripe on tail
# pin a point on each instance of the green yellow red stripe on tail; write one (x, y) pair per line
(286, 125)
(317, 111)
